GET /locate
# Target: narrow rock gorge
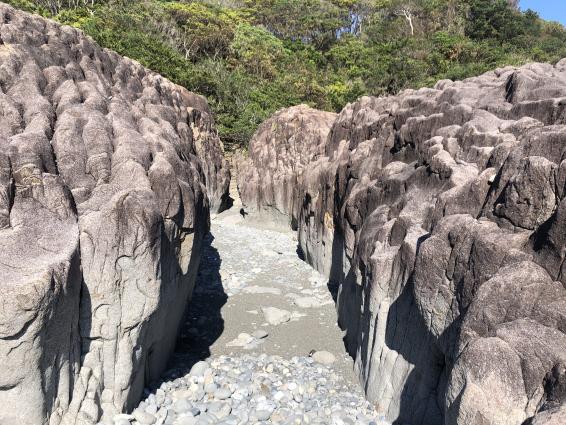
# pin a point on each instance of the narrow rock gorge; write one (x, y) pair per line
(439, 217)
(107, 175)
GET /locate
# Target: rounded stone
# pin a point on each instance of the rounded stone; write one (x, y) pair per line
(181, 406)
(210, 388)
(185, 420)
(260, 334)
(324, 357)
(152, 408)
(144, 418)
(262, 415)
(222, 393)
(123, 417)
(199, 369)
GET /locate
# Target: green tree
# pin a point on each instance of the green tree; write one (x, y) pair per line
(253, 57)
(493, 19)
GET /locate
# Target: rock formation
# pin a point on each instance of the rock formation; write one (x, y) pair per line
(103, 208)
(278, 153)
(441, 214)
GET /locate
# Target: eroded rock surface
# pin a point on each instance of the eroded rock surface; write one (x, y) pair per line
(441, 214)
(278, 153)
(103, 208)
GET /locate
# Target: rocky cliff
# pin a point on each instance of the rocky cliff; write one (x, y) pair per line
(104, 172)
(441, 215)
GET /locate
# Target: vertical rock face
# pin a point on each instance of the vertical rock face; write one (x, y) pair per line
(210, 151)
(441, 214)
(278, 154)
(103, 207)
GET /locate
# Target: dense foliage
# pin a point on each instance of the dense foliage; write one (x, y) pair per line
(252, 57)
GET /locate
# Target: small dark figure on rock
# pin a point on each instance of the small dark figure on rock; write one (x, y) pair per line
(243, 213)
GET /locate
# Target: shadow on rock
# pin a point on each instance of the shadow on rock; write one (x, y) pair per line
(203, 322)
(406, 336)
(301, 253)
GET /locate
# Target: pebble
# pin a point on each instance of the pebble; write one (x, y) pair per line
(260, 334)
(247, 389)
(222, 393)
(199, 369)
(181, 406)
(123, 417)
(185, 420)
(276, 316)
(242, 340)
(144, 418)
(210, 388)
(152, 409)
(323, 357)
(262, 415)
(307, 302)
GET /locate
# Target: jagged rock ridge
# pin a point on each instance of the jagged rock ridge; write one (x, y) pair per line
(441, 215)
(103, 207)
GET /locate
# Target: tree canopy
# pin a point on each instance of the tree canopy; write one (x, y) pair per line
(252, 57)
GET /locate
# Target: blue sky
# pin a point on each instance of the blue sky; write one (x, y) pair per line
(553, 10)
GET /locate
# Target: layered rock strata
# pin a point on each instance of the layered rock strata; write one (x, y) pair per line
(441, 214)
(103, 207)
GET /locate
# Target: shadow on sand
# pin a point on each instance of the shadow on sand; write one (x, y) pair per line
(203, 323)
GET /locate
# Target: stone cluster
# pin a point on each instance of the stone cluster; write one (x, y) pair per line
(254, 389)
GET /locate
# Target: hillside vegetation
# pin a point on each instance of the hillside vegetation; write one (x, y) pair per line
(252, 57)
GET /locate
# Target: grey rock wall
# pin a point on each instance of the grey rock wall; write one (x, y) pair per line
(104, 168)
(440, 215)
(278, 153)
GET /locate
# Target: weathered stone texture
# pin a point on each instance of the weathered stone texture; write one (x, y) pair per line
(440, 214)
(278, 153)
(103, 207)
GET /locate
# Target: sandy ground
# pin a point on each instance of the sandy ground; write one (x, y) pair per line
(247, 266)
